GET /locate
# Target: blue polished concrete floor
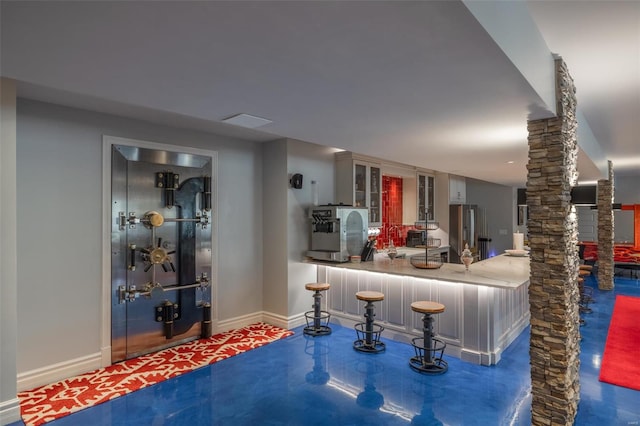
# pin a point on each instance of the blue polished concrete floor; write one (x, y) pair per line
(323, 381)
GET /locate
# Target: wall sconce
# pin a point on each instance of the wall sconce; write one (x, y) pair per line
(296, 181)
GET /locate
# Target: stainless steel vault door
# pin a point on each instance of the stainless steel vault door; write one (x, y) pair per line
(160, 249)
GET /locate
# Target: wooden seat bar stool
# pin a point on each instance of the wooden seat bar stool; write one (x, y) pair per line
(428, 349)
(317, 320)
(369, 332)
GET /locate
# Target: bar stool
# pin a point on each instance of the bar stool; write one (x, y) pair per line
(583, 306)
(368, 332)
(586, 293)
(317, 320)
(428, 349)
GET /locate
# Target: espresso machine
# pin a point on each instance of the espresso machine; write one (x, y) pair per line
(338, 232)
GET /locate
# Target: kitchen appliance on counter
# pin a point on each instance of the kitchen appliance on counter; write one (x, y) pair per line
(416, 237)
(463, 229)
(338, 232)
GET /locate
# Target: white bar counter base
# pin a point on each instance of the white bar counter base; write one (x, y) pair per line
(486, 308)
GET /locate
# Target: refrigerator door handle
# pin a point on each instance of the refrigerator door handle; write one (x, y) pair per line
(461, 230)
(472, 221)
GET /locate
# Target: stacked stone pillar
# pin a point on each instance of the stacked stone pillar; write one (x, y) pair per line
(605, 232)
(553, 237)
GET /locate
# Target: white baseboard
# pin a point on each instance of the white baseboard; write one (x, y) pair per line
(9, 411)
(60, 371)
(284, 322)
(262, 316)
(105, 359)
(275, 319)
(238, 322)
(297, 320)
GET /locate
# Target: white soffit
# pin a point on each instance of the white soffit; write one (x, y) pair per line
(514, 31)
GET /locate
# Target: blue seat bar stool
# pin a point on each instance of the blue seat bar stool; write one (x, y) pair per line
(428, 349)
(369, 332)
(317, 320)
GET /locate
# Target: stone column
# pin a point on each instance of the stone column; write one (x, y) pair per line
(605, 232)
(553, 237)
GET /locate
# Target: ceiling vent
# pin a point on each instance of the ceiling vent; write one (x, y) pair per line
(246, 120)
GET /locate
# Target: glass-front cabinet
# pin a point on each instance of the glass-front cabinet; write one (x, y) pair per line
(359, 183)
(426, 185)
(457, 189)
(360, 190)
(375, 195)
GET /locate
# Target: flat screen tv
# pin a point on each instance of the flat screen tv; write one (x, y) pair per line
(584, 195)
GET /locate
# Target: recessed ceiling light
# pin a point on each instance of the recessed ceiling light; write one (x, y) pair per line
(246, 120)
(510, 162)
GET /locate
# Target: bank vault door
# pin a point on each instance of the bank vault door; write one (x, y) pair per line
(161, 250)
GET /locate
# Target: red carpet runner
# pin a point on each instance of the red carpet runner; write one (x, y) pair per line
(56, 400)
(620, 364)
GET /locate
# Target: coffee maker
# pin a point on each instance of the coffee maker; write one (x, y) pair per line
(338, 232)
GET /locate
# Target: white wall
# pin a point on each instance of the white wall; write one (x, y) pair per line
(274, 244)
(627, 191)
(9, 408)
(287, 225)
(263, 230)
(59, 231)
(587, 223)
(315, 163)
(498, 203)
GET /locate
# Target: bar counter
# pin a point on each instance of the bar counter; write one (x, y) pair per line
(501, 271)
(486, 308)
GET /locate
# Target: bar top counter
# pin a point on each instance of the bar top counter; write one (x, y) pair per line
(502, 271)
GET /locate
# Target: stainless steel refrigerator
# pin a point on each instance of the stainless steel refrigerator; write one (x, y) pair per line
(463, 229)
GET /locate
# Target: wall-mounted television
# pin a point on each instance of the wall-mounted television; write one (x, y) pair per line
(584, 195)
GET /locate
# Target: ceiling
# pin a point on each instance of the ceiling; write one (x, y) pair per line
(422, 83)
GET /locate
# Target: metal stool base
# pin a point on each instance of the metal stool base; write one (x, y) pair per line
(436, 368)
(312, 331)
(317, 325)
(373, 343)
(421, 364)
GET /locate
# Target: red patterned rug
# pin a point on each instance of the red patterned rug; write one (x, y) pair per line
(50, 402)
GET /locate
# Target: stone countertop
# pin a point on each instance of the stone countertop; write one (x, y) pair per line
(503, 271)
(410, 251)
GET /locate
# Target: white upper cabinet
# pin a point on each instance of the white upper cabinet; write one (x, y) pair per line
(457, 189)
(359, 183)
(426, 196)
